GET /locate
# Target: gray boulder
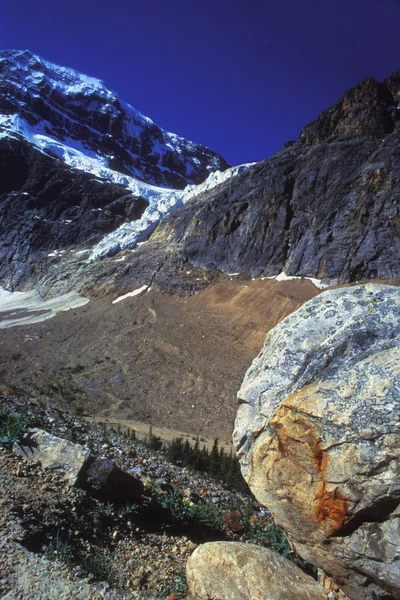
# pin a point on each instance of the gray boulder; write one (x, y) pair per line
(236, 571)
(101, 477)
(318, 435)
(53, 453)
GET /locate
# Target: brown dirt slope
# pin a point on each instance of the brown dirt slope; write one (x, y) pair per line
(170, 361)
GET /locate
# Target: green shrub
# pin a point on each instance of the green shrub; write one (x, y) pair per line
(183, 511)
(13, 427)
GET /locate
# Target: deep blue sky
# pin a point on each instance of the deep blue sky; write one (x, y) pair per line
(241, 77)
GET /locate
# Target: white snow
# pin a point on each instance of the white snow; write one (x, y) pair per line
(29, 74)
(131, 294)
(214, 179)
(283, 277)
(38, 309)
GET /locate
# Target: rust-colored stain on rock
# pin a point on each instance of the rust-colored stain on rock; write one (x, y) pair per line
(299, 441)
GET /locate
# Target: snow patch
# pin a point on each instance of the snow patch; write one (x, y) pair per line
(283, 277)
(33, 308)
(131, 294)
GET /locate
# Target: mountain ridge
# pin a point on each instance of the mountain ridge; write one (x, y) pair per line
(325, 206)
(63, 105)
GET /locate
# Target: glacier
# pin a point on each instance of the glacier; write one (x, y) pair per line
(161, 202)
(71, 100)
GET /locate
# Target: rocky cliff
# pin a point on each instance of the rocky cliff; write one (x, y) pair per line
(325, 206)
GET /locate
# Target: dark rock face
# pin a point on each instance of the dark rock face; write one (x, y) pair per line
(70, 107)
(47, 206)
(327, 206)
(365, 110)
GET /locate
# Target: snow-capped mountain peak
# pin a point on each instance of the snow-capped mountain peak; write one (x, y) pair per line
(62, 111)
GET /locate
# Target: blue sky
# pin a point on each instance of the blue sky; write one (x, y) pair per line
(241, 77)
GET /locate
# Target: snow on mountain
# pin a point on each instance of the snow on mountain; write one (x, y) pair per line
(75, 118)
(161, 202)
(66, 113)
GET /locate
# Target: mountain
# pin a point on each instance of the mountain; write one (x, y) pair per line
(79, 119)
(325, 206)
(77, 163)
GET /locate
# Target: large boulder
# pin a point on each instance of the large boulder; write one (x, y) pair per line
(318, 435)
(235, 571)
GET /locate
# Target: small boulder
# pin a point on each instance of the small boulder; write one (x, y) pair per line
(53, 453)
(236, 571)
(108, 482)
(101, 477)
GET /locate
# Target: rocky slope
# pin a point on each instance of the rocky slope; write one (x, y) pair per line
(325, 206)
(160, 359)
(119, 550)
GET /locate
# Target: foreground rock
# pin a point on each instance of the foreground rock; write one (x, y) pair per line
(97, 475)
(53, 453)
(235, 571)
(319, 438)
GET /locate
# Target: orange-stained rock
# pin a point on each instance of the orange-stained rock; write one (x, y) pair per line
(318, 435)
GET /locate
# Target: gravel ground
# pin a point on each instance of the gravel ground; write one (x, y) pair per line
(133, 554)
(147, 561)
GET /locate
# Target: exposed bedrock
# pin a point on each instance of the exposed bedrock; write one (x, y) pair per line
(318, 435)
(46, 206)
(326, 206)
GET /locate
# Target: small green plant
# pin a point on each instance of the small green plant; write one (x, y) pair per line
(99, 564)
(180, 587)
(60, 550)
(97, 561)
(183, 511)
(13, 427)
(262, 532)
